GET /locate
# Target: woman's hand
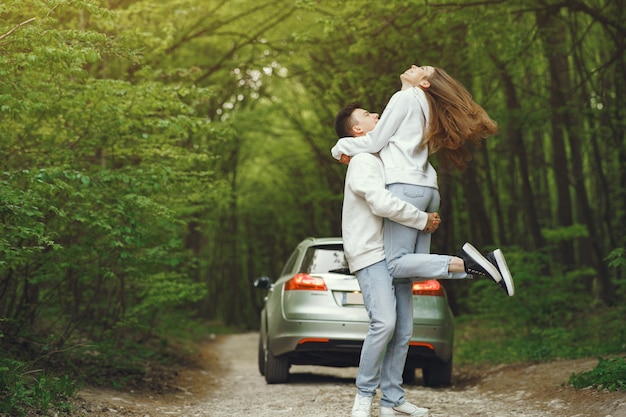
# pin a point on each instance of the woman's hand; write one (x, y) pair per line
(433, 222)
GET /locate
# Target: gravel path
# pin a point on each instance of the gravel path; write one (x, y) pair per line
(230, 385)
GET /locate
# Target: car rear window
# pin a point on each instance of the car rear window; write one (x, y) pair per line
(323, 259)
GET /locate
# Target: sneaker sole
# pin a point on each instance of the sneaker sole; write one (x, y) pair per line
(506, 274)
(482, 261)
(401, 413)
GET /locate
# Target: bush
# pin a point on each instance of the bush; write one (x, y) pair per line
(609, 374)
(23, 389)
(548, 318)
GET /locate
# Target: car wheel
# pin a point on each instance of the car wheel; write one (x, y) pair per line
(437, 373)
(408, 375)
(261, 356)
(276, 368)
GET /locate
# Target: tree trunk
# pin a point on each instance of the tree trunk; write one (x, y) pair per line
(515, 136)
(592, 250)
(553, 33)
(481, 230)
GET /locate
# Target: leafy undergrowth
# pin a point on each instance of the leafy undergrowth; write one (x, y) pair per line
(22, 390)
(553, 315)
(34, 380)
(43, 385)
(610, 374)
(487, 339)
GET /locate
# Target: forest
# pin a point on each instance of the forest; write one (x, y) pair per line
(159, 156)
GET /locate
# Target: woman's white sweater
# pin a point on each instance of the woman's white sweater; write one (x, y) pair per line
(398, 138)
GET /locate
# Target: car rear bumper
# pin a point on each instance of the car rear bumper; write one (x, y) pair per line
(325, 339)
(304, 335)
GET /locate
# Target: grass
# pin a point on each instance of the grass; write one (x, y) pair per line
(45, 383)
(610, 374)
(23, 389)
(487, 339)
(553, 315)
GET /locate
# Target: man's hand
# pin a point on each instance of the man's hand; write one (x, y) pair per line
(433, 222)
(344, 159)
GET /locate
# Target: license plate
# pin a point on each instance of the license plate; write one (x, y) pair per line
(352, 298)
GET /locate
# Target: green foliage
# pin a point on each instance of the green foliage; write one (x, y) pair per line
(617, 258)
(565, 233)
(487, 338)
(23, 389)
(549, 317)
(103, 177)
(544, 296)
(609, 374)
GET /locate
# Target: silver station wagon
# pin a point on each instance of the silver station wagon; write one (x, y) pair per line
(314, 315)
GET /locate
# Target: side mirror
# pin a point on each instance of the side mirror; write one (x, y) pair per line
(263, 283)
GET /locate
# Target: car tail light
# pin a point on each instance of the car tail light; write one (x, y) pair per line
(305, 282)
(430, 287)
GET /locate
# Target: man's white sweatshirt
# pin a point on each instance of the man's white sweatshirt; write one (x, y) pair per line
(398, 138)
(366, 202)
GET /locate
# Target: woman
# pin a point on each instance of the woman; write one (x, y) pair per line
(432, 112)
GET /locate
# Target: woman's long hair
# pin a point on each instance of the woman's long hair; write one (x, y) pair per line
(455, 119)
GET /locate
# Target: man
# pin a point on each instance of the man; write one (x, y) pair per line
(389, 301)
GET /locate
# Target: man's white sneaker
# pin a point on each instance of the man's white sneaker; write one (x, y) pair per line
(406, 409)
(362, 406)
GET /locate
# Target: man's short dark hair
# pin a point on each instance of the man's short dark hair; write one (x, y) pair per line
(343, 120)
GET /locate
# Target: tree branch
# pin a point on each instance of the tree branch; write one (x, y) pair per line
(17, 27)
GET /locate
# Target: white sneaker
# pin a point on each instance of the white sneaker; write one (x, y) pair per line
(406, 409)
(507, 279)
(477, 264)
(362, 406)
(492, 265)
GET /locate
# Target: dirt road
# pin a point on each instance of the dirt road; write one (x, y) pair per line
(230, 385)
